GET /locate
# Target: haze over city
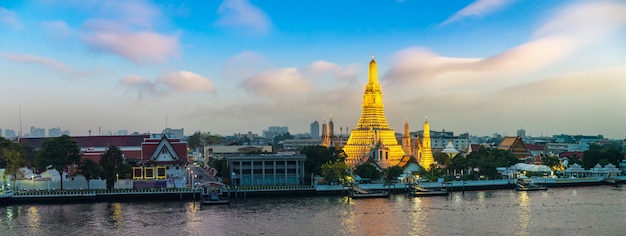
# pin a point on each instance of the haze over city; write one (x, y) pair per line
(485, 66)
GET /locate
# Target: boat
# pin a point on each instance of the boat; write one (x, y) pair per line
(211, 193)
(423, 192)
(526, 184)
(356, 192)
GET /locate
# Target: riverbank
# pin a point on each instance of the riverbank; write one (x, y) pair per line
(126, 195)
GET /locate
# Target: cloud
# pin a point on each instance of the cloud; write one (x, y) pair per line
(42, 61)
(57, 30)
(477, 9)
(8, 17)
(293, 82)
(568, 31)
(127, 29)
(244, 65)
(185, 81)
(178, 82)
(242, 14)
(282, 83)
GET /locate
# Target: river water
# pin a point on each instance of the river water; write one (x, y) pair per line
(599, 210)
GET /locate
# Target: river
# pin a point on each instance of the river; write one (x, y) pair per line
(599, 210)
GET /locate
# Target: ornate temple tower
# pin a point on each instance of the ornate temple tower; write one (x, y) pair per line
(406, 139)
(325, 137)
(373, 132)
(426, 158)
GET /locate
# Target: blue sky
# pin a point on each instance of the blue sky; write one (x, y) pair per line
(485, 66)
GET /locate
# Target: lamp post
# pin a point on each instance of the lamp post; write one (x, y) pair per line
(191, 179)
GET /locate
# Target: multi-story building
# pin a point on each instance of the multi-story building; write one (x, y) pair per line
(439, 139)
(37, 132)
(174, 133)
(266, 169)
(315, 130)
(54, 132)
(1, 133)
(10, 134)
(274, 131)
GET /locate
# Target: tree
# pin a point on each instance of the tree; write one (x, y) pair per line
(112, 163)
(90, 170)
(316, 156)
(15, 161)
(58, 152)
(392, 173)
(334, 171)
(367, 171)
(552, 162)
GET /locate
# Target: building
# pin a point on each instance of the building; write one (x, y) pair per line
(1, 133)
(173, 133)
(162, 165)
(37, 132)
(440, 139)
(297, 144)
(372, 137)
(257, 170)
(315, 130)
(54, 132)
(10, 134)
(274, 131)
(516, 146)
(426, 158)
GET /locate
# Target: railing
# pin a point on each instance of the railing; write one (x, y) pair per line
(273, 188)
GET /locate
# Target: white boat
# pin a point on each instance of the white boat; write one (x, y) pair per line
(526, 184)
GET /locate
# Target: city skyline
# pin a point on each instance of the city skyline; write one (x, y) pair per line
(483, 67)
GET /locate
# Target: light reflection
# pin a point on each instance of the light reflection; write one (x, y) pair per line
(523, 213)
(349, 221)
(417, 216)
(34, 219)
(115, 214)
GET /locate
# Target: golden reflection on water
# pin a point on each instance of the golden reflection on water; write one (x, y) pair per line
(34, 218)
(417, 217)
(115, 214)
(523, 213)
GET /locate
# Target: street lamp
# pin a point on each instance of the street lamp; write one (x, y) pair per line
(191, 179)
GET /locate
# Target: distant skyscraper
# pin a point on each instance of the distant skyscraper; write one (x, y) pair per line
(174, 133)
(122, 132)
(521, 133)
(10, 134)
(274, 131)
(1, 133)
(54, 132)
(315, 130)
(37, 132)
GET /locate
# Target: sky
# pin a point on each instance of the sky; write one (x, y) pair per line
(233, 66)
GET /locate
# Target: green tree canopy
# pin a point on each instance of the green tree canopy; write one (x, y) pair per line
(112, 163)
(58, 152)
(334, 171)
(89, 169)
(392, 173)
(316, 156)
(367, 170)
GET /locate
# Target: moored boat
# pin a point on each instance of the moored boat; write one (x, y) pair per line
(362, 193)
(528, 185)
(424, 192)
(211, 193)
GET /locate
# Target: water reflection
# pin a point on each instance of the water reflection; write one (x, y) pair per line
(34, 220)
(114, 215)
(417, 217)
(523, 213)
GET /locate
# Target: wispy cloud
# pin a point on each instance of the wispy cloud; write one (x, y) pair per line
(293, 82)
(175, 82)
(244, 65)
(242, 14)
(8, 17)
(568, 31)
(477, 9)
(41, 61)
(57, 30)
(127, 29)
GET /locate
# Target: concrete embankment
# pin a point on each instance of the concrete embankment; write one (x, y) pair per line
(69, 196)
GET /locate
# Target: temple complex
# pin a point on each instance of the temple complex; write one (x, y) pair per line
(372, 138)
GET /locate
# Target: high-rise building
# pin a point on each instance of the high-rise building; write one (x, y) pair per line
(274, 131)
(54, 132)
(10, 134)
(372, 138)
(315, 130)
(37, 132)
(1, 133)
